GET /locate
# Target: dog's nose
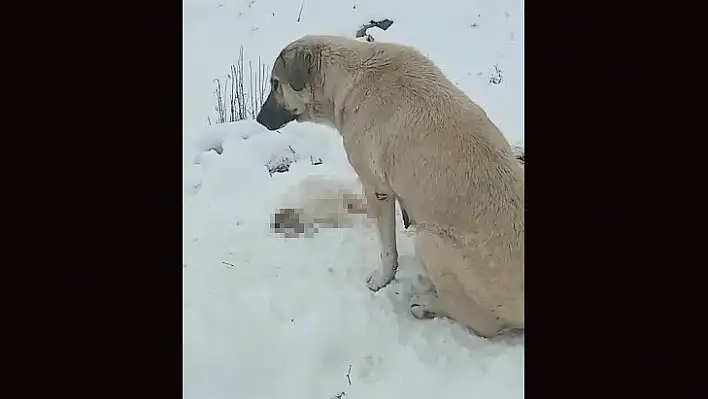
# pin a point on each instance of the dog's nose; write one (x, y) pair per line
(259, 118)
(264, 121)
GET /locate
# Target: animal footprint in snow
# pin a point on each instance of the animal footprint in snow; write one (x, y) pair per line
(371, 369)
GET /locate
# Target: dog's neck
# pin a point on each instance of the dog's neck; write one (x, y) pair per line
(342, 82)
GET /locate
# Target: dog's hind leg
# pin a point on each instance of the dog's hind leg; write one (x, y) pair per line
(450, 301)
(382, 206)
(445, 266)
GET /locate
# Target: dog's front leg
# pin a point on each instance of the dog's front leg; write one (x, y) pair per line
(383, 208)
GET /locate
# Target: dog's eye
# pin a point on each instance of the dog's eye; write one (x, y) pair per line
(274, 84)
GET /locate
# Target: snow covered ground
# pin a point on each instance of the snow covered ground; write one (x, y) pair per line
(273, 317)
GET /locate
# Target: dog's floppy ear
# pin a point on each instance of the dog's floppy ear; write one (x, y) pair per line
(301, 69)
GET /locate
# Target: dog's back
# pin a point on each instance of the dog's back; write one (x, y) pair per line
(438, 145)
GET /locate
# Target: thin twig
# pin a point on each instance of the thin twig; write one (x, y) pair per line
(243, 98)
(300, 13)
(250, 92)
(348, 374)
(227, 263)
(241, 105)
(220, 102)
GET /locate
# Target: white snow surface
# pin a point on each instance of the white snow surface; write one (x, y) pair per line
(273, 317)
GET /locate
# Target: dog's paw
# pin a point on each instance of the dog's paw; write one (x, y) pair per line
(421, 312)
(377, 280)
(423, 306)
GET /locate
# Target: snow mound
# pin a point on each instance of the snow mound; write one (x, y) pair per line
(274, 317)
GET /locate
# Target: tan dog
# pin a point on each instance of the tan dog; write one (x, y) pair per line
(411, 135)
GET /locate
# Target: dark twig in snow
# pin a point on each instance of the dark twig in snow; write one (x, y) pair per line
(220, 109)
(348, 375)
(314, 161)
(241, 104)
(300, 13)
(227, 263)
(520, 153)
(382, 24)
(496, 76)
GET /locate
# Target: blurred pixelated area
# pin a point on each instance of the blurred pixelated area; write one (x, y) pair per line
(320, 206)
(286, 221)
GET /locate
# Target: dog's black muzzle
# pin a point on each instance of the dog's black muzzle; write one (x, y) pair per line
(272, 115)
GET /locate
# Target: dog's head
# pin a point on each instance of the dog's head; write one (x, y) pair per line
(294, 82)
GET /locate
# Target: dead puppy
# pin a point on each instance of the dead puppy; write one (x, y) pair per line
(319, 203)
(413, 136)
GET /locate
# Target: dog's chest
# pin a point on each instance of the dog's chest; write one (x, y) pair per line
(367, 159)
